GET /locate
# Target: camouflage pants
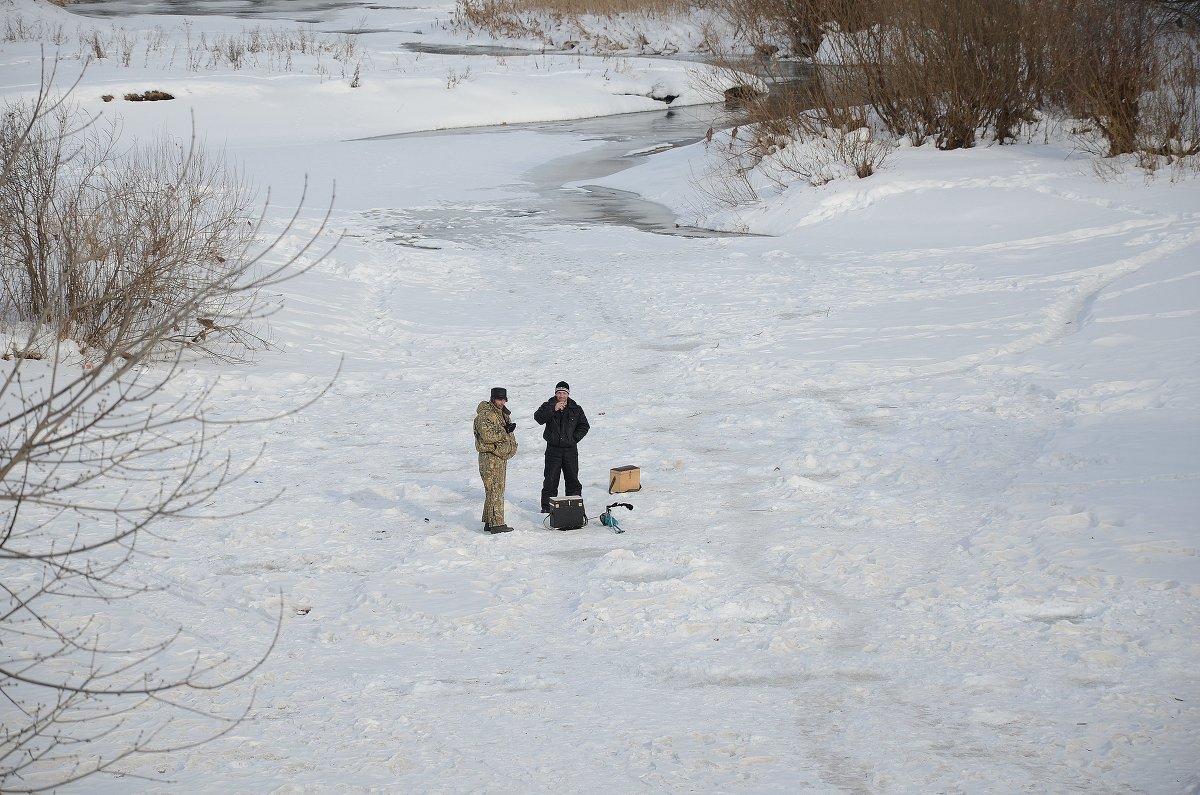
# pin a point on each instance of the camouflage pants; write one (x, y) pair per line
(493, 471)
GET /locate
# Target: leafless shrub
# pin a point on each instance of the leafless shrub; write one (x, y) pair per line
(831, 153)
(726, 178)
(97, 244)
(1133, 78)
(269, 49)
(231, 48)
(126, 42)
(962, 71)
(95, 44)
(1107, 60)
(1170, 130)
(947, 72)
(492, 9)
(156, 40)
(101, 451)
(454, 77)
(17, 27)
(1183, 13)
(794, 136)
(814, 130)
(795, 27)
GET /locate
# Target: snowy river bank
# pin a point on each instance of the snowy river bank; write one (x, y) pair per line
(918, 460)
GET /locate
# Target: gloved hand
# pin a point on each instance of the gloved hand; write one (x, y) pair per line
(512, 426)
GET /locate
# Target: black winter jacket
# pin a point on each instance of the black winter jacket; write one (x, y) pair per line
(563, 428)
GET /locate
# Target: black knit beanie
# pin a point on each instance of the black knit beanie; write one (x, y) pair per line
(563, 385)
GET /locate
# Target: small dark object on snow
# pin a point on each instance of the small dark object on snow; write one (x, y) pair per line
(149, 96)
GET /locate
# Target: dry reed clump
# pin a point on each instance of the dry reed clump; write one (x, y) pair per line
(597, 8)
(272, 50)
(19, 28)
(567, 23)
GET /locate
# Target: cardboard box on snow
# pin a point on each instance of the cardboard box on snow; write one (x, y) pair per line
(622, 479)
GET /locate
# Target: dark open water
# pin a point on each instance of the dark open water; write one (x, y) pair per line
(621, 134)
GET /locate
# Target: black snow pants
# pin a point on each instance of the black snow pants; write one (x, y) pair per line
(564, 460)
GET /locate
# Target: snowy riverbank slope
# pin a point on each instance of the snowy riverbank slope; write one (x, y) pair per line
(919, 462)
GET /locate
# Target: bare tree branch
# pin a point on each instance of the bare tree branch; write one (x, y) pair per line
(118, 269)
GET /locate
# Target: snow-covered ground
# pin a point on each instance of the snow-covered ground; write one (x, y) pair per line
(919, 454)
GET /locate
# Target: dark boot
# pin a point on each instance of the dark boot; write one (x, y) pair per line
(497, 528)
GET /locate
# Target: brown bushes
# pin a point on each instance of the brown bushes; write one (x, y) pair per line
(1132, 77)
(953, 72)
(108, 248)
(946, 72)
(959, 71)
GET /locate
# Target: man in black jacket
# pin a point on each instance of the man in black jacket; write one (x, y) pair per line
(565, 425)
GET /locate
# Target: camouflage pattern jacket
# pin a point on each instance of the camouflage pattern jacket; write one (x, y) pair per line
(490, 436)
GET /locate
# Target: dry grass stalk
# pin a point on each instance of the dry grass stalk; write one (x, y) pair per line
(599, 8)
(542, 21)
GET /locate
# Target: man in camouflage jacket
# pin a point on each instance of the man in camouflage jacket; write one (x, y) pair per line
(495, 443)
